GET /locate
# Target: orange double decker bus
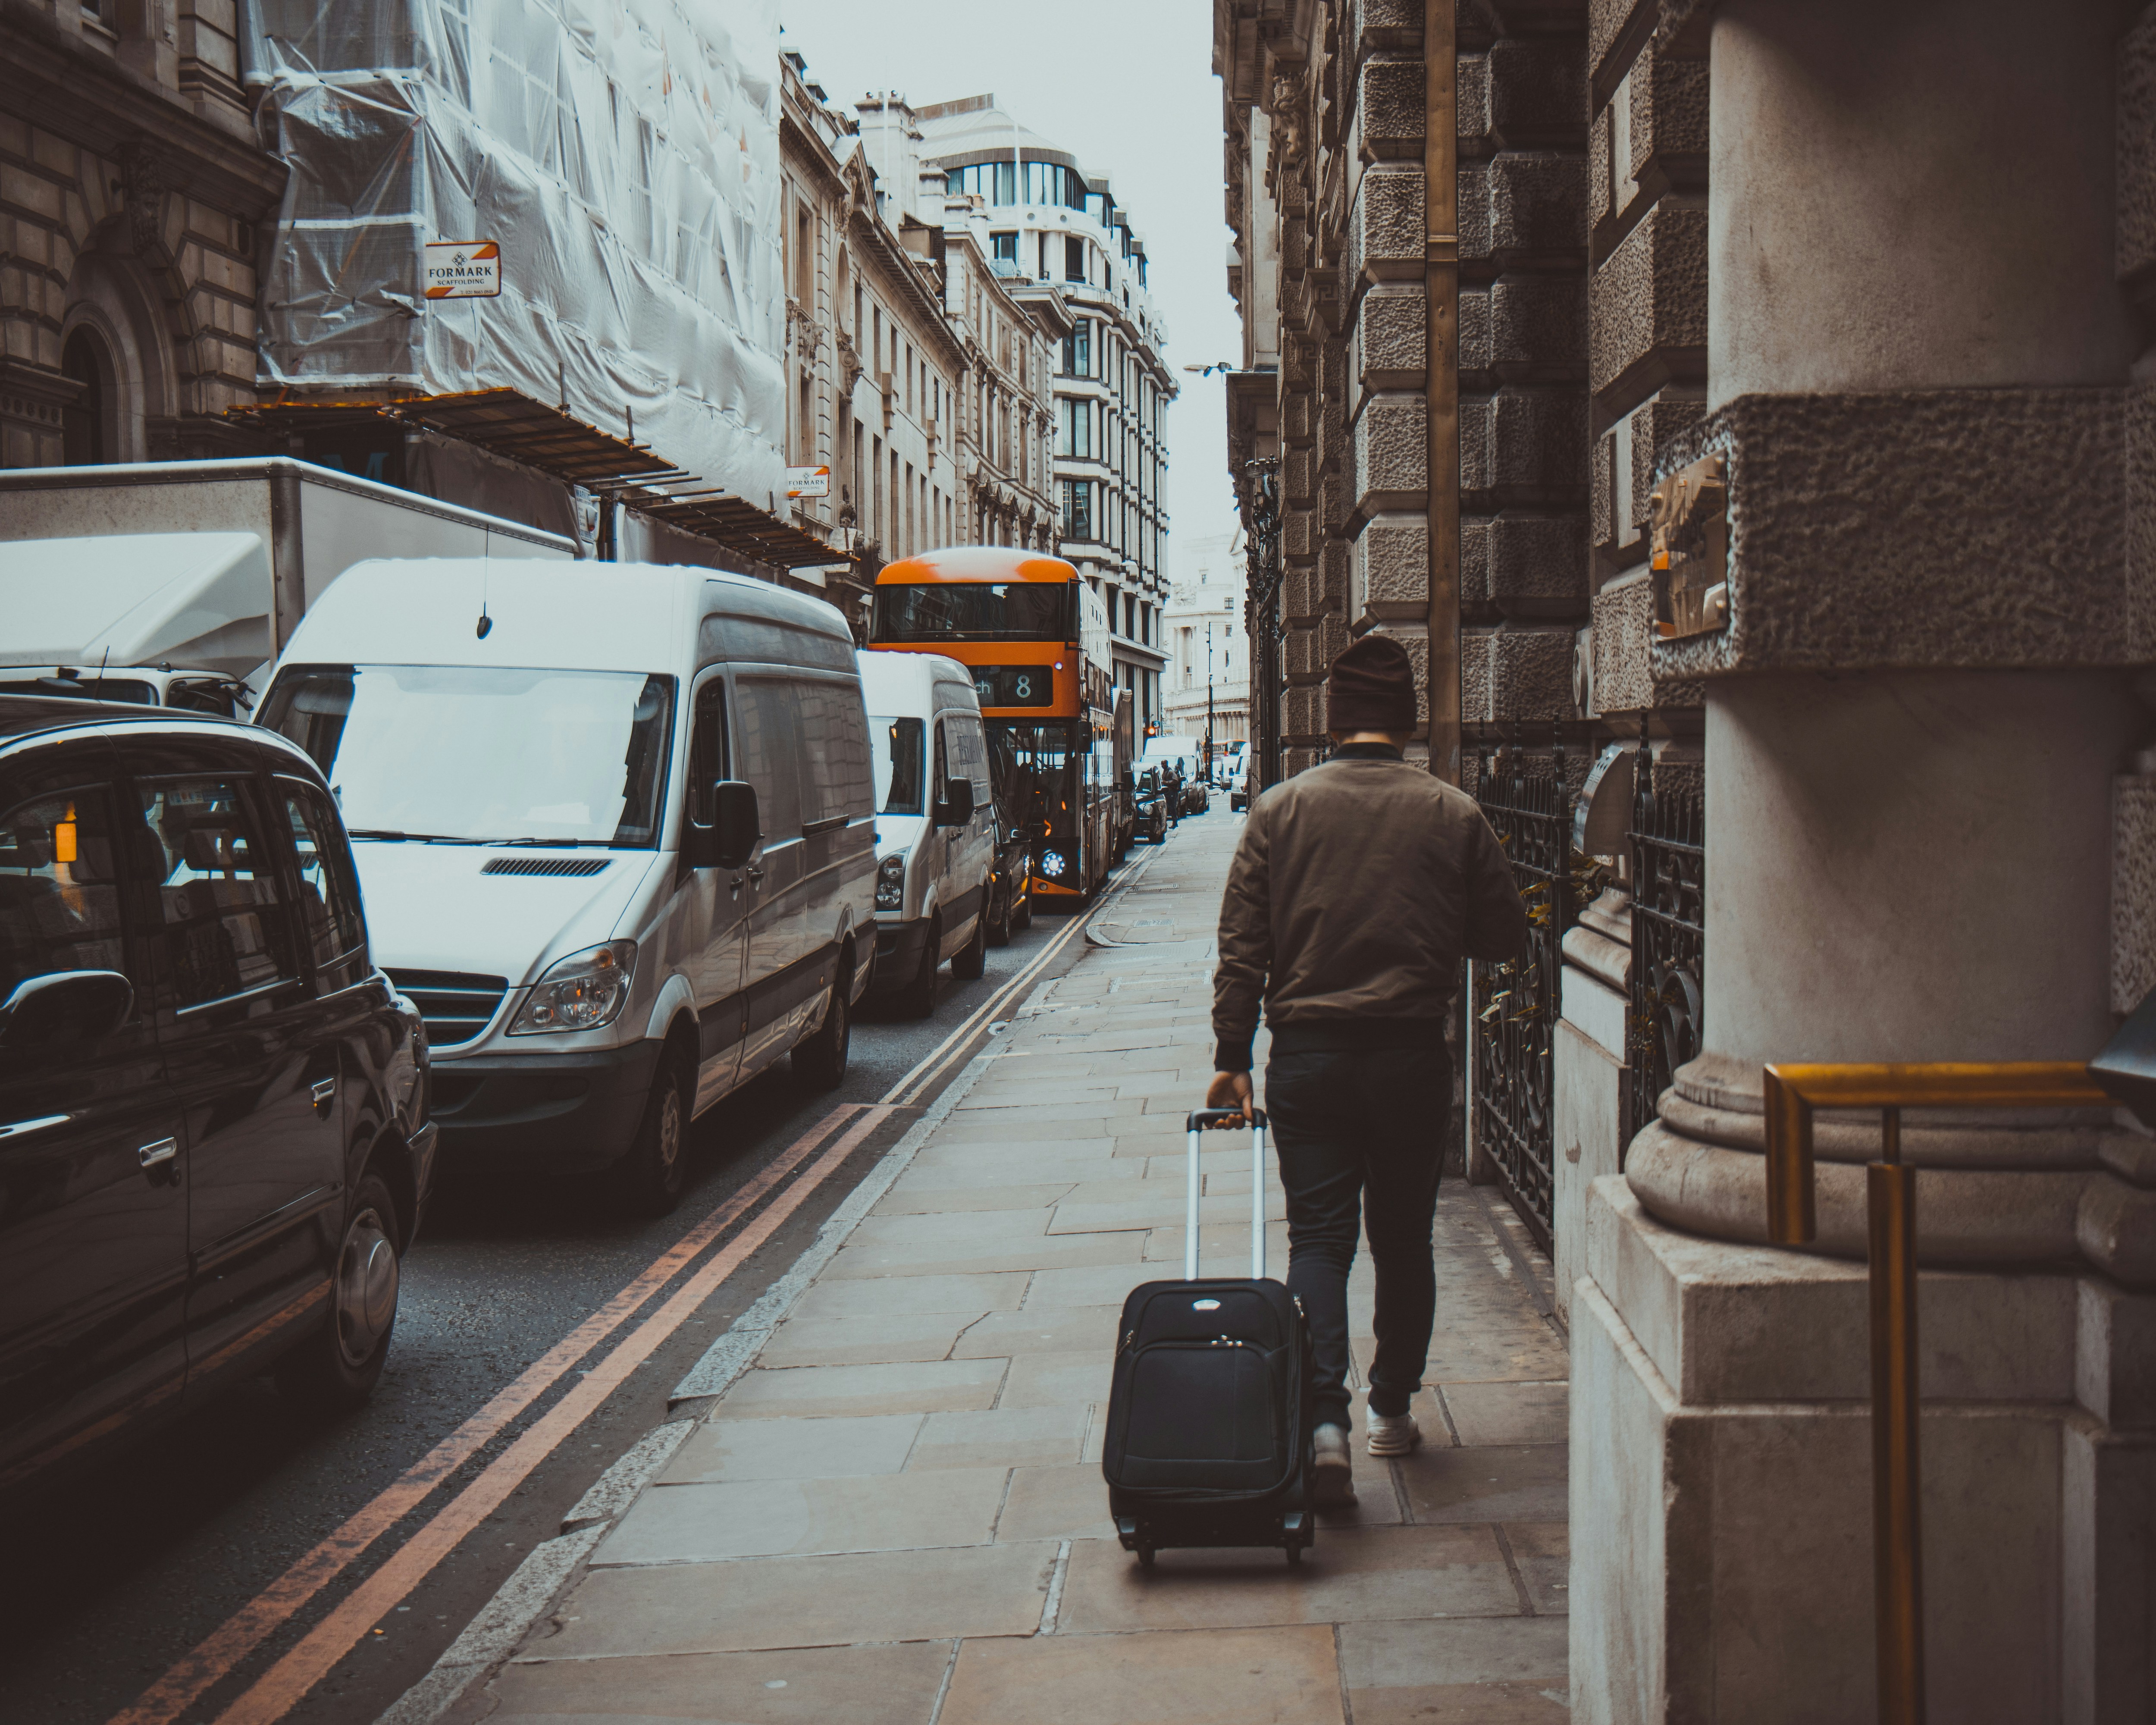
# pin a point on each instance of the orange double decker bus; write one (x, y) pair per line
(1035, 637)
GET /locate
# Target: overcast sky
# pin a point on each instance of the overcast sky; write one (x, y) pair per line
(1126, 86)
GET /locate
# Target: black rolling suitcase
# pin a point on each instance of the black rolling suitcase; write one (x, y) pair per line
(1208, 1440)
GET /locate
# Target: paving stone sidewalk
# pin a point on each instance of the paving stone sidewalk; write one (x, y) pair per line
(897, 1515)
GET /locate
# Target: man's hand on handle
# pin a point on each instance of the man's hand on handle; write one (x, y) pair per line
(1229, 1090)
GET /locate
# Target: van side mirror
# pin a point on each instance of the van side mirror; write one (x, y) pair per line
(957, 803)
(730, 838)
(737, 826)
(65, 1007)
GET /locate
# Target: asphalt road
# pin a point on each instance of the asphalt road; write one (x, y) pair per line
(108, 1581)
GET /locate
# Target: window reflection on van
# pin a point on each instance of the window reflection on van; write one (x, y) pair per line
(897, 746)
(572, 758)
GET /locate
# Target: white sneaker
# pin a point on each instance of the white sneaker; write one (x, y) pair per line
(1393, 1434)
(1335, 1467)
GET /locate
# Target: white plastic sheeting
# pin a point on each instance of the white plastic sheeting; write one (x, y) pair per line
(623, 153)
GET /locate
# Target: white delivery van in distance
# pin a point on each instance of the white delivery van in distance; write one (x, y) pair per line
(614, 827)
(935, 823)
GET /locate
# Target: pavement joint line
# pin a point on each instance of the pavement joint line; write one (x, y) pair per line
(294, 1675)
(441, 1688)
(916, 1082)
(728, 1357)
(213, 1659)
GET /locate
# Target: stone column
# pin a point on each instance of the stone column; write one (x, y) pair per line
(1918, 344)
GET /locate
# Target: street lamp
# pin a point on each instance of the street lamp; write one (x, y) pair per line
(1209, 697)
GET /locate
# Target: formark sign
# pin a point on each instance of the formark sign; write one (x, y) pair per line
(463, 268)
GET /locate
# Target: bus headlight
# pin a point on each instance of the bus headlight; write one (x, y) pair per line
(581, 992)
(890, 883)
(1052, 863)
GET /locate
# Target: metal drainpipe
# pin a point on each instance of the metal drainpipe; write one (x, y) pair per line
(1441, 285)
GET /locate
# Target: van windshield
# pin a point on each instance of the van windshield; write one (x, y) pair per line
(469, 754)
(897, 746)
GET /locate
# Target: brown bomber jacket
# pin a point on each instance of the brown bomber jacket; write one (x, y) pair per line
(1357, 888)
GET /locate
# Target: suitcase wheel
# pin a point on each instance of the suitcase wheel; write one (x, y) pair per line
(1145, 1557)
(1294, 1557)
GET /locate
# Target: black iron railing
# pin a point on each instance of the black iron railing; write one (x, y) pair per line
(1513, 1007)
(1669, 942)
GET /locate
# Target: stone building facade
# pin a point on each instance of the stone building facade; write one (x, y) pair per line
(133, 196)
(1053, 235)
(1872, 288)
(1345, 276)
(914, 373)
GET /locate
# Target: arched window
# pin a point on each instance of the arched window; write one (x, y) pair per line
(86, 426)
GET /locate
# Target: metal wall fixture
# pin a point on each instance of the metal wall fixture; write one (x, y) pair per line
(1792, 1093)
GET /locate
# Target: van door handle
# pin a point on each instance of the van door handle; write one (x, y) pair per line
(756, 874)
(736, 886)
(159, 1153)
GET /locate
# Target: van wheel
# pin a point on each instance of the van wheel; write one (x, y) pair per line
(651, 1177)
(917, 998)
(335, 1369)
(820, 1061)
(1022, 918)
(970, 960)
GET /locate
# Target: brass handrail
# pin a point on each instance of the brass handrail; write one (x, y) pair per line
(1792, 1093)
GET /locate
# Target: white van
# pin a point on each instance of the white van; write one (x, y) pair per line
(935, 823)
(613, 826)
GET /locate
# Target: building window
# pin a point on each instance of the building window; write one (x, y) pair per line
(1078, 350)
(1074, 429)
(1006, 253)
(996, 182)
(1074, 258)
(1078, 509)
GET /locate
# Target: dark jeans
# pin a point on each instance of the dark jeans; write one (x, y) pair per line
(1344, 1123)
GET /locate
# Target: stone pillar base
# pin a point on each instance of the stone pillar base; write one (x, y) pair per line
(1721, 1494)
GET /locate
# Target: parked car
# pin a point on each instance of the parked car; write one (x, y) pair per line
(1153, 794)
(615, 825)
(1239, 790)
(936, 828)
(214, 1140)
(190, 691)
(1196, 798)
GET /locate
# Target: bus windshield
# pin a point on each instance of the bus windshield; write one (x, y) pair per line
(977, 611)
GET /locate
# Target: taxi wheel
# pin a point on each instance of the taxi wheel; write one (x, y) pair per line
(335, 1369)
(1022, 917)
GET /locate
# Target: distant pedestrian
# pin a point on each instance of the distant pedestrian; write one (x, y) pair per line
(1357, 888)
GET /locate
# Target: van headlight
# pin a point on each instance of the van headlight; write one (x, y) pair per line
(890, 883)
(581, 992)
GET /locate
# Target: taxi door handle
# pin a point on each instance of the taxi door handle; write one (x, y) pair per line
(158, 1154)
(324, 1091)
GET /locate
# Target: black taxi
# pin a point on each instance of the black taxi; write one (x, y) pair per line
(214, 1146)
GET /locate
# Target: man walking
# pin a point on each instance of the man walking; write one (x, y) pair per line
(1357, 890)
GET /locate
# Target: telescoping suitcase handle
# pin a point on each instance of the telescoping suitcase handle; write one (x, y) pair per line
(1204, 1120)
